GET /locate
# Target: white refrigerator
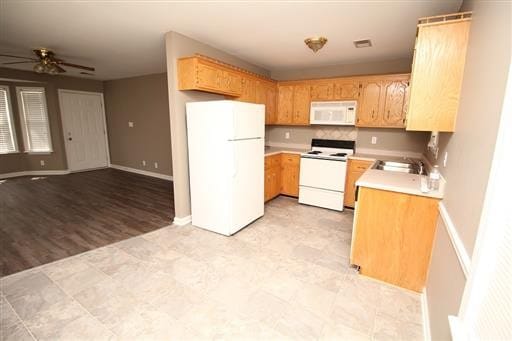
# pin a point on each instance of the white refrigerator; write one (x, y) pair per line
(226, 142)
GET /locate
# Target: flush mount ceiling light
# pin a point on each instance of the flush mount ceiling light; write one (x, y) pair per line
(315, 43)
(362, 43)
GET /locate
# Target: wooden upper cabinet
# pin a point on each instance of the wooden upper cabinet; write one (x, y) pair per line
(437, 71)
(270, 104)
(284, 104)
(322, 91)
(346, 89)
(199, 73)
(369, 104)
(395, 103)
(301, 104)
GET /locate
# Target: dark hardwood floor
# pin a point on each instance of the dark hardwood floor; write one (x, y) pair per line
(50, 218)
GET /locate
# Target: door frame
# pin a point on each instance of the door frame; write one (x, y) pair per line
(63, 122)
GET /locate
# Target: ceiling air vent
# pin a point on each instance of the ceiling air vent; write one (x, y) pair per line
(362, 43)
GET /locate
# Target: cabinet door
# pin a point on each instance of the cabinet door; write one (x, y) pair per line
(350, 188)
(259, 92)
(346, 90)
(301, 104)
(355, 169)
(437, 71)
(276, 181)
(248, 90)
(369, 104)
(322, 91)
(231, 82)
(284, 104)
(393, 235)
(290, 174)
(268, 184)
(209, 76)
(395, 101)
(270, 105)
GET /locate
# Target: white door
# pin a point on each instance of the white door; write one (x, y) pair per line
(83, 122)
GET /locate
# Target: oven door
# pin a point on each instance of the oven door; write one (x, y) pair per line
(323, 174)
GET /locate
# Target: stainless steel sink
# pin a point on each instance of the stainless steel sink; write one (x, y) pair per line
(408, 166)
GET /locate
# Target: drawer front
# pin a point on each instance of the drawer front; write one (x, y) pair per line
(359, 165)
(290, 159)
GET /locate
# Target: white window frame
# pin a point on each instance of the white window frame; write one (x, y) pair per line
(26, 140)
(10, 117)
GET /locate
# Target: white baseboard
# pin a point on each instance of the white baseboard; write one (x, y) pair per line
(425, 316)
(460, 250)
(34, 173)
(182, 221)
(142, 172)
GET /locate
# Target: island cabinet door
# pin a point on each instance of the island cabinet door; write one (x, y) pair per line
(393, 235)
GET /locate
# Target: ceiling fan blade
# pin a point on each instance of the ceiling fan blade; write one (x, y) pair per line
(29, 61)
(76, 66)
(10, 55)
(61, 70)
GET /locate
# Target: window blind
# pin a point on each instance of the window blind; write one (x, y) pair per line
(7, 134)
(35, 119)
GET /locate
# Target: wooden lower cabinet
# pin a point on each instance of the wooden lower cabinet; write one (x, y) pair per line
(290, 169)
(393, 236)
(355, 169)
(281, 175)
(272, 176)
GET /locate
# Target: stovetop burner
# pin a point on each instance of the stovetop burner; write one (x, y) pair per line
(315, 152)
(339, 154)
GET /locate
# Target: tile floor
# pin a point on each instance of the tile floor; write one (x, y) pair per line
(286, 276)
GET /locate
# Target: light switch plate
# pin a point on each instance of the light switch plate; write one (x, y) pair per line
(42, 163)
(374, 139)
(144, 163)
(287, 135)
(156, 164)
(130, 124)
(445, 160)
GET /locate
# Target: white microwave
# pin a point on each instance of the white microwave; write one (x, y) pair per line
(333, 113)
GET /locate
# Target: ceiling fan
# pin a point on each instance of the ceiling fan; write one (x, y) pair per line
(46, 62)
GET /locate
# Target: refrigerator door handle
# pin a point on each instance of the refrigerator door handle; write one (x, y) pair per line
(245, 139)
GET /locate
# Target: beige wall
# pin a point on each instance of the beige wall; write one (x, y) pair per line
(142, 100)
(470, 151)
(177, 46)
(390, 66)
(387, 139)
(445, 284)
(57, 159)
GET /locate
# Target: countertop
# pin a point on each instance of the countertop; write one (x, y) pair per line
(276, 150)
(397, 182)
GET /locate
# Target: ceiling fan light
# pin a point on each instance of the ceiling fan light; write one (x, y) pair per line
(39, 68)
(52, 69)
(315, 43)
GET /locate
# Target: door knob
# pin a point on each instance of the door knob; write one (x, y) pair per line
(70, 138)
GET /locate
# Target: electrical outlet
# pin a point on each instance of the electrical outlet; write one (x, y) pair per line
(42, 163)
(374, 139)
(156, 164)
(144, 163)
(130, 124)
(287, 135)
(445, 160)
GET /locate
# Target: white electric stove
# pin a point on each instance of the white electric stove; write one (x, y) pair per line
(322, 173)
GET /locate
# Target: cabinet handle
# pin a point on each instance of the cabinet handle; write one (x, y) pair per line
(373, 113)
(388, 113)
